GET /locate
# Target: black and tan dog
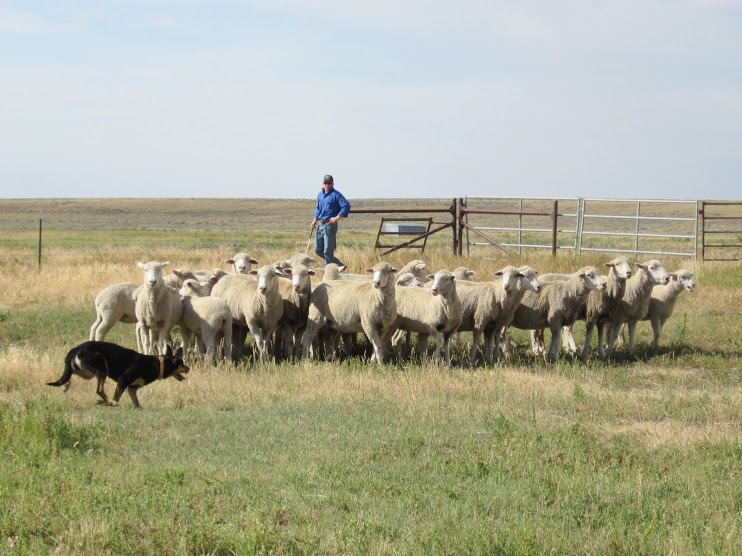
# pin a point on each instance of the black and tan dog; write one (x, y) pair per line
(130, 370)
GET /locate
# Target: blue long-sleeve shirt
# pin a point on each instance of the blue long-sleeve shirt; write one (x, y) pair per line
(332, 204)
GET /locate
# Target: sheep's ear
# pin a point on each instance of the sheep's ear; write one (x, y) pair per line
(394, 270)
(163, 265)
(609, 265)
(253, 272)
(311, 273)
(229, 261)
(430, 276)
(470, 273)
(673, 276)
(642, 266)
(253, 261)
(520, 275)
(371, 270)
(140, 265)
(178, 272)
(311, 259)
(286, 271)
(213, 279)
(498, 273)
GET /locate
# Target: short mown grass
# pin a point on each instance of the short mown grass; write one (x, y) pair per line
(640, 454)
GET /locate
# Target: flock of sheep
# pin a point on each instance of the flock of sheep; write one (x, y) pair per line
(291, 317)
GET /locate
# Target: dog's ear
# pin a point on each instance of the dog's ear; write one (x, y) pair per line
(179, 353)
(168, 351)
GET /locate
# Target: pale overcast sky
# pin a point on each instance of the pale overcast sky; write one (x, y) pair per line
(396, 98)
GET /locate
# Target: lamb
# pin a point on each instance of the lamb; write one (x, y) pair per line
(114, 303)
(435, 312)
(241, 263)
(557, 305)
(207, 317)
(634, 305)
(349, 306)
(295, 295)
(662, 302)
(488, 307)
(158, 309)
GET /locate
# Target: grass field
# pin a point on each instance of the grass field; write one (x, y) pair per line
(639, 455)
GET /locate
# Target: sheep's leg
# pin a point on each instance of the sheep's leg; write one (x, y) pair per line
(438, 337)
(589, 327)
(422, 346)
(556, 332)
(656, 329)
(399, 336)
(615, 331)
(377, 341)
(568, 340)
(632, 331)
(476, 334)
(227, 342)
(185, 335)
(208, 338)
(447, 347)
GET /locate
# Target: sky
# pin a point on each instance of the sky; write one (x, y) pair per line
(627, 99)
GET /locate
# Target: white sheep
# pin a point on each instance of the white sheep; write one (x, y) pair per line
(557, 304)
(230, 289)
(209, 318)
(488, 307)
(430, 312)
(350, 306)
(158, 309)
(295, 295)
(114, 303)
(634, 305)
(597, 310)
(262, 307)
(241, 263)
(662, 302)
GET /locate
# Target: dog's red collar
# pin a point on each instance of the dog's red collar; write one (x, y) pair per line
(162, 366)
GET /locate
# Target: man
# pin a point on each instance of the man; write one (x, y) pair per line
(331, 207)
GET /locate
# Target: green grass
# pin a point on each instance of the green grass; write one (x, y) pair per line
(637, 455)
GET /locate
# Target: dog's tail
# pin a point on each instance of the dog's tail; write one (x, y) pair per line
(67, 374)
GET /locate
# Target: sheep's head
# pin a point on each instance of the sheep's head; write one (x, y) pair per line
(300, 277)
(153, 272)
(509, 275)
(463, 273)
(331, 272)
(408, 280)
(685, 279)
(621, 267)
(528, 279)
(266, 278)
(656, 272)
(593, 278)
(242, 263)
(443, 282)
(191, 288)
(381, 273)
(300, 258)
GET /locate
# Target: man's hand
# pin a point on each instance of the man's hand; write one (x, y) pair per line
(314, 223)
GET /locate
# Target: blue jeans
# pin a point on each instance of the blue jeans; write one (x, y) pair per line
(324, 243)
